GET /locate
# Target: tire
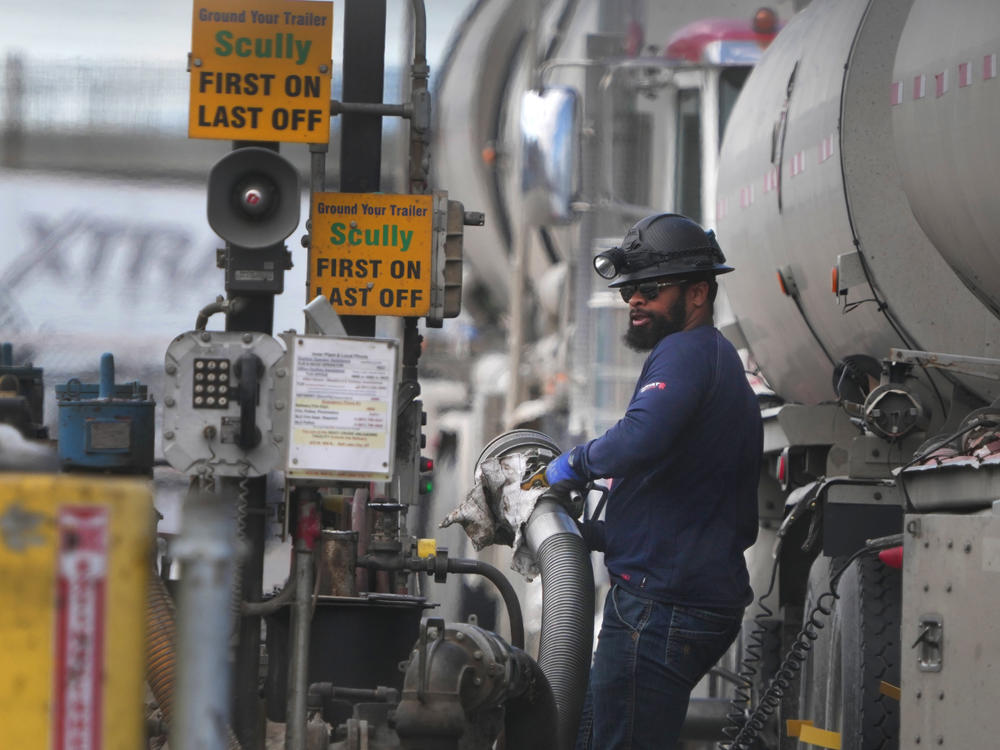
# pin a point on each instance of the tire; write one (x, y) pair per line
(860, 648)
(815, 673)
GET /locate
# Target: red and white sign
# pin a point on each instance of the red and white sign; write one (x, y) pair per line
(81, 590)
(771, 180)
(964, 74)
(940, 84)
(798, 163)
(989, 66)
(826, 149)
(896, 93)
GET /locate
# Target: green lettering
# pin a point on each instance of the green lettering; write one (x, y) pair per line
(225, 47)
(243, 47)
(337, 233)
(301, 50)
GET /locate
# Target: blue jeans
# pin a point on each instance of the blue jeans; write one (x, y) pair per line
(649, 657)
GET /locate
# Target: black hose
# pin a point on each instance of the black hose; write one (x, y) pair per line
(567, 636)
(269, 606)
(462, 565)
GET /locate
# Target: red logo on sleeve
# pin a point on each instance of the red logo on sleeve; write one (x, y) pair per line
(651, 386)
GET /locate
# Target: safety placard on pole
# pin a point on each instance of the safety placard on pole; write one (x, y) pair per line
(260, 70)
(371, 254)
(343, 407)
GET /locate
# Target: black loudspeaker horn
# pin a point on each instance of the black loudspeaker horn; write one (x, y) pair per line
(253, 197)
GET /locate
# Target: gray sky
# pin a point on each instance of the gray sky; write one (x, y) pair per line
(154, 30)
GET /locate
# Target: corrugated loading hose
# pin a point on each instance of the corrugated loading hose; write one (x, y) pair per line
(567, 634)
(161, 635)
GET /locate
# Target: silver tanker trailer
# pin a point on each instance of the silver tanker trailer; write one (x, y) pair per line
(855, 192)
(857, 196)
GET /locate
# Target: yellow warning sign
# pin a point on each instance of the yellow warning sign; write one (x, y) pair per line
(260, 70)
(371, 253)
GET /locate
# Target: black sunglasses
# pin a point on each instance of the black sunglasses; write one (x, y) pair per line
(649, 290)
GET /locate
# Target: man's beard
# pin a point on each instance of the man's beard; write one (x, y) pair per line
(644, 338)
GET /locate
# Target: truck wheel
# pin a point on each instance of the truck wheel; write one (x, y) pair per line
(865, 651)
(856, 650)
(815, 674)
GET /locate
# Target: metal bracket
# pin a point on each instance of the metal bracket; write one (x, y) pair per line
(931, 643)
(431, 629)
(982, 367)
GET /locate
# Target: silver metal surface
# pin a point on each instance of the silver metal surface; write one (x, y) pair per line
(961, 483)
(982, 367)
(298, 668)
(187, 444)
(549, 518)
(951, 573)
(946, 140)
(776, 152)
(321, 318)
(925, 296)
(550, 145)
(206, 550)
(829, 140)
(519, 441)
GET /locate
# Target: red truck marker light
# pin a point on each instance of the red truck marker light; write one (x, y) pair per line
(893, 557)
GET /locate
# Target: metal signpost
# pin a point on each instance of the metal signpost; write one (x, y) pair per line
(341, 410)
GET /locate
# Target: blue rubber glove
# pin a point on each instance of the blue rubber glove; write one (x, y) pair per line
(560, 472)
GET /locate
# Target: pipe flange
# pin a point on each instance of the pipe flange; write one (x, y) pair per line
(518, 441)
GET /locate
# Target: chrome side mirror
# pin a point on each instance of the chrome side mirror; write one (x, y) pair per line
(550, 153)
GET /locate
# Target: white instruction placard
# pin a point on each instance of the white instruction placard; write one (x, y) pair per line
(343, 406)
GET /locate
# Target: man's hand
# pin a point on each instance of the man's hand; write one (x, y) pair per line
(560, 473)
(593, 534)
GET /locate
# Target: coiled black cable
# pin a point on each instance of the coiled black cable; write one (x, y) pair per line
(743, 692)
(784, 677)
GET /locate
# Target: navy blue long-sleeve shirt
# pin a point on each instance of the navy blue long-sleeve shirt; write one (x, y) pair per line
(685, 461)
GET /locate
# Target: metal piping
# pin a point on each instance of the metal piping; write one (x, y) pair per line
(420, 98)
(461, 566)
(207, 552)
(282, 599)
(161, 655)
(298, 668)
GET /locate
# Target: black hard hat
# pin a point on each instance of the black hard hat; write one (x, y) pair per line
(662, 245)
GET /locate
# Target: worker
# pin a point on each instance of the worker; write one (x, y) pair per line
(684, 465)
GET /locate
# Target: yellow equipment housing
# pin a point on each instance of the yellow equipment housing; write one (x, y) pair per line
(75, 557)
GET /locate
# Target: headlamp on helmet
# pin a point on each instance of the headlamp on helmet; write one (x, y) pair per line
(660, 246)
(609, 263)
